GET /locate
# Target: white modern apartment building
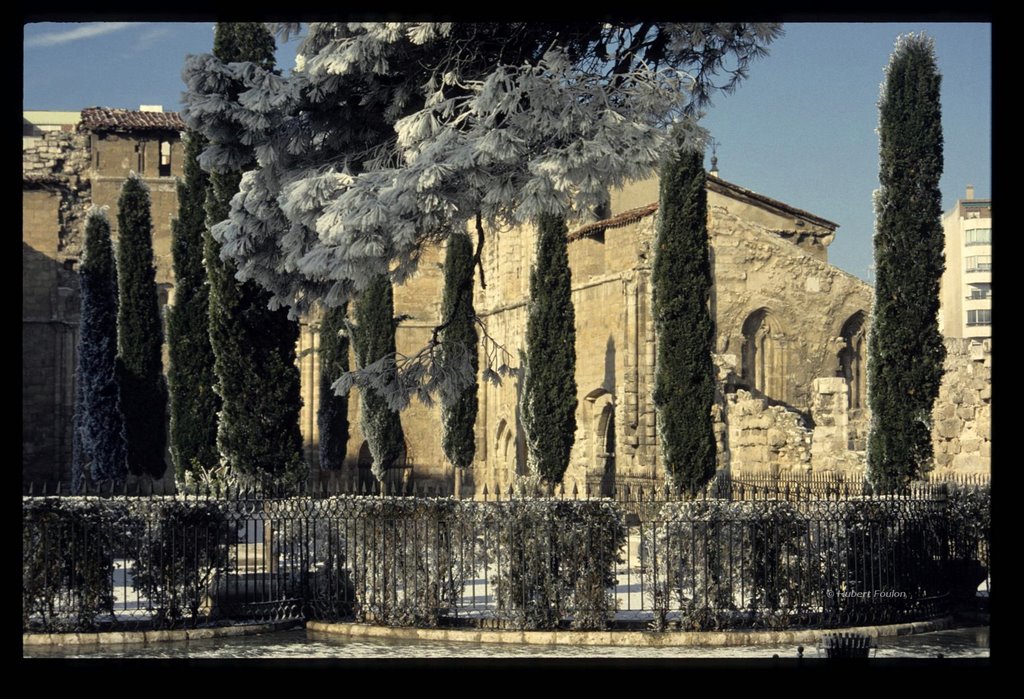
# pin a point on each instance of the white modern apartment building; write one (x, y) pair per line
(966, 294)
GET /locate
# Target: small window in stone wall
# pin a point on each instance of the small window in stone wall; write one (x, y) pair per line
(165, 158)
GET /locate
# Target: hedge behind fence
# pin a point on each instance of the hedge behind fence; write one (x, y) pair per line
(720, 564)
(536, 563)
(384, 560)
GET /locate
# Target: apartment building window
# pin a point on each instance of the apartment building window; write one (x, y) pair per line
(980, 291)
(979, 263)
(979, 317)
(979, 236)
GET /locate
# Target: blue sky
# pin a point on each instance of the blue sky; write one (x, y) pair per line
(801, 129)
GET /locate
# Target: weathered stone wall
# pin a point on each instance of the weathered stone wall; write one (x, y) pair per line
(64, 174)
(114, 157)
(834, 445)
(962, 416)
(760, 263)
(48, 341)
(806, 301)
(55, 197)
(765, 437)
(754, 267)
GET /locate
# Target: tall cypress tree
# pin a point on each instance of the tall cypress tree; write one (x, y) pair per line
(99, 457)
(194, 403)
(906, 352)
(254, 347)
(684, 384)
(549, 388)
(139, 334)
(459, 350)
(374, 339)
(332, 413)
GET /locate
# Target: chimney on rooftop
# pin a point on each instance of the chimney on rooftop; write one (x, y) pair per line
(970, 191)
(151, 108)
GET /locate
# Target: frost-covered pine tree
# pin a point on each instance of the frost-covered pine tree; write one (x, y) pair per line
(258, 433)
(99, 458)
(387, 136)
(906, 353)
(684, 383)
(139, 334)
(549, 388)
(459, 341)
(373, 337)
(332, 413)
(194, 403)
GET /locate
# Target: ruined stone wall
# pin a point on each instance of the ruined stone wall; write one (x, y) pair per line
(962, 416)
(835, 446)
(765, 437)
(55, 197)
(754, 268)
(807, 301)
(49, 337)
(616, 438)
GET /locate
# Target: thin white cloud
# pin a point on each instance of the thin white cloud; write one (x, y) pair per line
(146, 38)
(154, 34)
(83, 31)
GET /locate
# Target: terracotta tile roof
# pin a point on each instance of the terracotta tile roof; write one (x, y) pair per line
(123, 120)
(634, 215)
(617, 221)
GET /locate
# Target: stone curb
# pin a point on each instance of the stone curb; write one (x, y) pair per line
(124, 637)
(638, 639)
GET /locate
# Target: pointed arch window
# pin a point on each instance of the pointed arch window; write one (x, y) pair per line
(764, 357)
(852, 359)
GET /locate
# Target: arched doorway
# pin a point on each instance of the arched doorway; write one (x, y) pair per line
(599, 429)
(605, 436)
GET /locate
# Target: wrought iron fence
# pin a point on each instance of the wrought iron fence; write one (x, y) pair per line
(647, 561)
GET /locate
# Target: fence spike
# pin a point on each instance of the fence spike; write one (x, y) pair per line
(575, 491)
(497, 491)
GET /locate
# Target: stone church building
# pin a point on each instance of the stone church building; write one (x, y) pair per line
(784, 318)
(790, 329)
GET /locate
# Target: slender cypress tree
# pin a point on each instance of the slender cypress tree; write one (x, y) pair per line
(99, 457)
(332, 413)
(906, 352)
(684, 384)
(549, 388)
(374, 339)
(254, 347)
(194, 403)
(459, 349)
(139, 334)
